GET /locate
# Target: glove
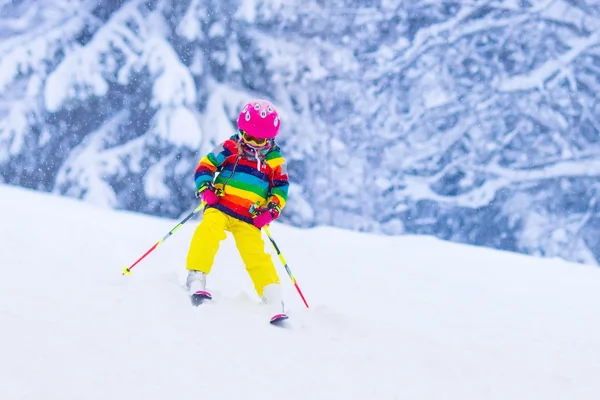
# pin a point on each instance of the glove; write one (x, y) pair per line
(208, 195)
(263, 219)
(266, 215)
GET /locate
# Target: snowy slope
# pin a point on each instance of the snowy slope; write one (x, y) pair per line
(390, 318)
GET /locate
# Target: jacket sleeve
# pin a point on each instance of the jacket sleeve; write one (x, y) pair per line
(211, 163)
(279, 182)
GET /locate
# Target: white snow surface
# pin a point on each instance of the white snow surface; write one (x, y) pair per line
(391, 317)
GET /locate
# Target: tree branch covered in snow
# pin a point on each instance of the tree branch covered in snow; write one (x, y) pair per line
(475, 121)
(33, 40)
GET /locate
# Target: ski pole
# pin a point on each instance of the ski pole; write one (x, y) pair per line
(287, 268)
(127, 270)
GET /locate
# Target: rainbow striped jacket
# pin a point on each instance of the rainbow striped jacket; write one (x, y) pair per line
(244, 181)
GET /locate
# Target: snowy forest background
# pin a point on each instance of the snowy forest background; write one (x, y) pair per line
(474, 121)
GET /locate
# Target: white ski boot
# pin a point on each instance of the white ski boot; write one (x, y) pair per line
(273, 299)
(196, 284)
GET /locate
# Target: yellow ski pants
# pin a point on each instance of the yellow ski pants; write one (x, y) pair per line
(249, 242)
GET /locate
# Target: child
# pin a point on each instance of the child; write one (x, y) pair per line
(250, 170)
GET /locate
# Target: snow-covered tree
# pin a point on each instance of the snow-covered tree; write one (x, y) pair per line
(475, 121)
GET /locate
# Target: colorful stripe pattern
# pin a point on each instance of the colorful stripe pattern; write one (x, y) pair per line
(244, 181)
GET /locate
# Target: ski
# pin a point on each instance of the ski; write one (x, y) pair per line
(278, 319)
(199, 297)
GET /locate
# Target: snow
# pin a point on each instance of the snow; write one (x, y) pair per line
(247, 11)
(76, 71)
(24, 53)
(222, 108)
(13, 129)
(174, 84)
(432, 92)
(84, 173)
(154, 181)
(217, 30)
(555, 68)
(178, 126)
(190, 26)
(82, 73)
(233, 57)
(405, 317)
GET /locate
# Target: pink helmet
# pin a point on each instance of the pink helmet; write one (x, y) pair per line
(260, 119)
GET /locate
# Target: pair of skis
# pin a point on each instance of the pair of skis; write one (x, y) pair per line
(202, 295)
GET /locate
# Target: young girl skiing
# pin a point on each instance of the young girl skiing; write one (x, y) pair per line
(249, 192)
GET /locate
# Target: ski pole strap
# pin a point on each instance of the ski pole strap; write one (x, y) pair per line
(254, 208)
(272, 207)
(211, 186)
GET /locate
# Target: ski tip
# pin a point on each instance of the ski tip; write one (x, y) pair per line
(199, 297)
(278, 318)
(204, 294)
